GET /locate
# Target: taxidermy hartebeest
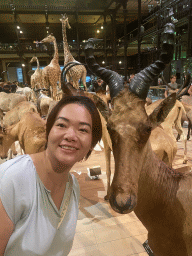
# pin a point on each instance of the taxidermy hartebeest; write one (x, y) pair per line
(160, 196)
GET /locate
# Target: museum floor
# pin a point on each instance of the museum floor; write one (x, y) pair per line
(100, 230)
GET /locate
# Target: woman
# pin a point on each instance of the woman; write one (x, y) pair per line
(38, 197)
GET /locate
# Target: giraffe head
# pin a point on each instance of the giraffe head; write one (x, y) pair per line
(50, 38)
(64, 20)
(33, 59)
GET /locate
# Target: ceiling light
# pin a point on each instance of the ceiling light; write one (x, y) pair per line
(120, 62)
(98, 31)
(18, 27)
(103, 62)
(101, 27)
(23, 65)
(21, 32)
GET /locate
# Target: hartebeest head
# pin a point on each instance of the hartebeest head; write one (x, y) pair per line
(129, 125)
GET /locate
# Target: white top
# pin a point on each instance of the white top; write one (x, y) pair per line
(30, 206)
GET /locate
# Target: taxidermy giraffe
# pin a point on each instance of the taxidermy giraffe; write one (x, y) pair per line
(36, 78)
(76, 72)
(52, 73)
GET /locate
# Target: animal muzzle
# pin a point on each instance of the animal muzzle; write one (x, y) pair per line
(123, 203)
(3, 156)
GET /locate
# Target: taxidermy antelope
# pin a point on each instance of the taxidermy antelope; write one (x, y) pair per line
(160, 196)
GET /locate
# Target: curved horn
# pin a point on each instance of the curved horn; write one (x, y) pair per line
(113, 79)
(68, 66)
(141, 82)
(71, 62)
(185, 87)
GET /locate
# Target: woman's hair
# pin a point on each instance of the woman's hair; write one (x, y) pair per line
(172, 76)
(89, 105)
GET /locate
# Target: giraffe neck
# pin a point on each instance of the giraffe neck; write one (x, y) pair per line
(38, 66)
(56, 55)
(67, 54)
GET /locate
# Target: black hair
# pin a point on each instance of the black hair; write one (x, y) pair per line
(89, 105)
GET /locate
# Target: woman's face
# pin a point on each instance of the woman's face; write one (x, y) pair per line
(70, 138)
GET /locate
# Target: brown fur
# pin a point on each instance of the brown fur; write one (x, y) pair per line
(173, 119)
(160, 196)
(163, 145)
(14, 115)
(10, 100)
(29, 131)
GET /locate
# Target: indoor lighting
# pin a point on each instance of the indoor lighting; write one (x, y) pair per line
(21, 32)
(120, 62)
(18, 27)
(23, 65)
(98, 31)
(103, 62)
(101, 27)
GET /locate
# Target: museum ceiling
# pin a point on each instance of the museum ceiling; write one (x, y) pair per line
(36, 17)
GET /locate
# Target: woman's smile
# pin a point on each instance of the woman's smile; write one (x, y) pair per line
(70, 138)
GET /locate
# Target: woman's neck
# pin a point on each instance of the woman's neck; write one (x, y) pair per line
(53, 175)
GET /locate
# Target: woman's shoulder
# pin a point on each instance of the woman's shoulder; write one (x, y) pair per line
(19, 166)
(17, 186)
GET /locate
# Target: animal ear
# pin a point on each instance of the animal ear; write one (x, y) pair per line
(101, 105)
(162, 110)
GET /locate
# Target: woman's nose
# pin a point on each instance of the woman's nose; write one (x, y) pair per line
(70, 134)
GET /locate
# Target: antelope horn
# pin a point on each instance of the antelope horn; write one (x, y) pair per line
(113, 79)
(185, 87)
(66, 68)
(141, 82)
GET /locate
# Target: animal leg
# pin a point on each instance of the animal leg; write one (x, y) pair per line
(107, 152)
(54, 93)
(184, 139)
(189, 129)
(13, 149)
(178, 135)
(179, 129)
(84, 80)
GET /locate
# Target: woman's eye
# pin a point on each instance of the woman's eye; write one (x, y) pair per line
(61, 125)
(83, 130)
